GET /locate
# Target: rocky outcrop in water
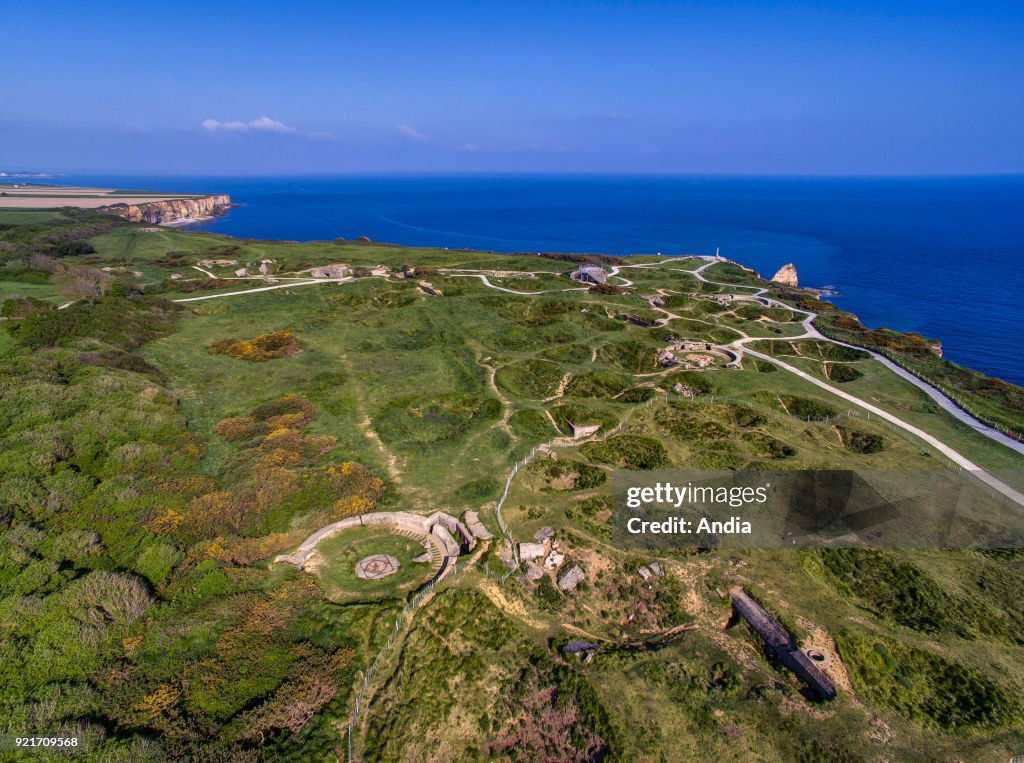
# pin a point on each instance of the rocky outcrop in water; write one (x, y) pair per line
(171, 209)
(786, 275)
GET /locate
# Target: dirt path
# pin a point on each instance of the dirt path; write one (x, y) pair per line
(264, 288)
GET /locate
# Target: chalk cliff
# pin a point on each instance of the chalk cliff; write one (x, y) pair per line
(171, 209)
(786, 275)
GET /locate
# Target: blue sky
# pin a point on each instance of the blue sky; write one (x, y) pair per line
(679, 87)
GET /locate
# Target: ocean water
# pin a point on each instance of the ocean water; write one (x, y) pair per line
(939, 256)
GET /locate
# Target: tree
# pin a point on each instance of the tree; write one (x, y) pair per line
(82, 283)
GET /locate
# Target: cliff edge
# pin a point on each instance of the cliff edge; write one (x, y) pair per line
(171, 210)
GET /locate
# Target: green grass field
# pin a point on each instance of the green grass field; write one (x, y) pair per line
(146, 484)
(338, 556)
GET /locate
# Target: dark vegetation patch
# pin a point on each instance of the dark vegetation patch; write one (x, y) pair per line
(531, 425)
(898, 591)
(586, 259)
(925, 687)
(63, 235)
(841, 372)
(596, 384)
(607, 288)
(582, 414)
(859, 441)
(259, 349)
(114, 319)
(631, 356)
(801, 407)
(565, 474)
(628, 452)
(637, 395)
(475, 491)
(592, 515)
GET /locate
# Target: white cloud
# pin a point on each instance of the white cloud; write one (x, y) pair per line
(261, 124)
(412, 134)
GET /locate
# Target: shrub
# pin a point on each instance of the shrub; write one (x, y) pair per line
(925, 687)
(103, 596)
(278, 344)
(858, 441)
(479, 490)
(628, 451)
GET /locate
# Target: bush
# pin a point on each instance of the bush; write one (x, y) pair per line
(278, 344)
(628, 452)
(925, 687)
(563, 474)
(108, 596)
(858, 441)
(72, 248)
(479, 490)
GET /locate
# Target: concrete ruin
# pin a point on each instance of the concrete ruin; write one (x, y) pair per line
(571, 579)
(780, 644)
(437, 531)
(338, 270)
(592, 274)
(583, 430)
(472, 521)
(531, 551)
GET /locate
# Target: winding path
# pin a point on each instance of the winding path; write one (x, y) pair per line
(810, 332)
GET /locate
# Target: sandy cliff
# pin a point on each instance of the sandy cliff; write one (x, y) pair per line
(171, 209)
(786, 275)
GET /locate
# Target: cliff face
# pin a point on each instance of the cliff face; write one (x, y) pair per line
(786, 275)
(172, 209)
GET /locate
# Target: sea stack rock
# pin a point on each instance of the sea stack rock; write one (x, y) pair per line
(786, 275)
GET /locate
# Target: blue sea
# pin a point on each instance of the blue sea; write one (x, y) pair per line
(939, 256)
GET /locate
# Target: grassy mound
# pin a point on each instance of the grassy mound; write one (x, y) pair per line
(531, 379)
(531, 425)
(565, 475)
(433, 420)
(841, 372)
(925, 687)
(858, 441)
(632, 357)
(597, 384)
(628, 452)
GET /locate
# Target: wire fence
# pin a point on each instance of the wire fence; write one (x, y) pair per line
(953, 394)
(410, 607)
(529, 457)
(428, 588)
(941, 458)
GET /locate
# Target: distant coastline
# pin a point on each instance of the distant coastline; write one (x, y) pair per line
(911, 254)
